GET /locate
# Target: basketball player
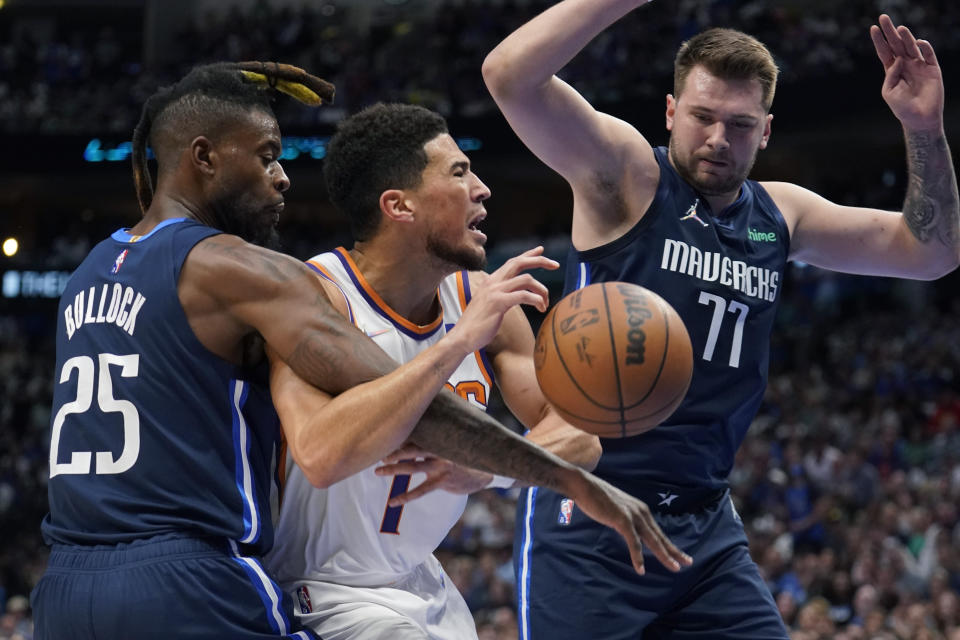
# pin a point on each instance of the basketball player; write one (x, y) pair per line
(358, 559)
(686, 222)
(163, 431)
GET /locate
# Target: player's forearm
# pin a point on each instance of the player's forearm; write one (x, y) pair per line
(561, 438)
(931, 208)
(337, 437)
(453, 429)
(540, 48)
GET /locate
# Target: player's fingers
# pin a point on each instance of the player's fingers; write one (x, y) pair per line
(526, 282)
(665, 551)
(880, 44)
(910, 48)
(407, 452)
(514, 298)
(894, 73)
(535, 252)
(890, 33)
(422, 489)
(406, 467)
(515, 267)
(926, 50)
(531, 259)
(635, 546)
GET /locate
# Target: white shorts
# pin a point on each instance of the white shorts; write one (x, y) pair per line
(423, 606)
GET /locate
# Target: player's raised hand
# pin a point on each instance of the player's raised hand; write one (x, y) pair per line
(631, 518)
(441, 474)
(913, 84)
(501, 290)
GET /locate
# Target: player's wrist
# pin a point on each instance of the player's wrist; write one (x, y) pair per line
(458, 343)
(572, 481)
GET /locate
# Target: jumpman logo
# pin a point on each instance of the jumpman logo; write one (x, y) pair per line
(667, 498)
(692, 213)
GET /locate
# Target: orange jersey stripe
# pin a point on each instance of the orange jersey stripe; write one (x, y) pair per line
(462, 295)
(383, 307)
(326, 274)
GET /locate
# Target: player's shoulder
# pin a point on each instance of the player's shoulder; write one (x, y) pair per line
(474, 277)
(791, 199)
(238, 269)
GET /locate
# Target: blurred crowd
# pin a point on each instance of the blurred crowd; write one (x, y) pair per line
(92, 78)
(849, 481)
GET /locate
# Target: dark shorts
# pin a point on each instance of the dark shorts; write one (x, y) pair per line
(165, 588)
(575, 579)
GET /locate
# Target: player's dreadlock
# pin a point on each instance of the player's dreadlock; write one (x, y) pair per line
(213, 91)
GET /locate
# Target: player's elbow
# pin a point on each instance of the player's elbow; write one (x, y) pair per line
(936, 269)
(319, 476)
(591, 452)
(318, 464)
(496, 74)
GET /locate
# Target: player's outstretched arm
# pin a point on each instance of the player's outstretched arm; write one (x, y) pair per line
(596, 153)
(922, 241)
(913, 88)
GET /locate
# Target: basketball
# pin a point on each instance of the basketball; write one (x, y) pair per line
(614, 359)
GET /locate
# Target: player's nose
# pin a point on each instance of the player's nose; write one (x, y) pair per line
(717, 137)
(280, 180)
(480, 190)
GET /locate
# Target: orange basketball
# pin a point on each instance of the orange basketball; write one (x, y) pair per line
(614, 359)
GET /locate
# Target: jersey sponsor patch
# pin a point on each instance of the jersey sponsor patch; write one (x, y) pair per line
(566, 512)
(303, 596)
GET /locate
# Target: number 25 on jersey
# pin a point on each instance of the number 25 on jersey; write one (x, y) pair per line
(86, 368)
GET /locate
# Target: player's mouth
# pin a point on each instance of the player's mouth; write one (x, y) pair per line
(713, 163)
(474, 226)
(276, 210)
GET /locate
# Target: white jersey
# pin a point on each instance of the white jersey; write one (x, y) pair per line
(346, 533)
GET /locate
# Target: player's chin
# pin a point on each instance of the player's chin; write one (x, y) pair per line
(475, 260)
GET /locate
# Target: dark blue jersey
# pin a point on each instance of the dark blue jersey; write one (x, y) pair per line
(152, 433)
(722, 273)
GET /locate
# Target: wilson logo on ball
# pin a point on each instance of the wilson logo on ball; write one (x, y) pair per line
(637, 314)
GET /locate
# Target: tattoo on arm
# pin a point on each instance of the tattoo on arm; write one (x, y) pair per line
(453, 429)
(336, 356)
(931, 207)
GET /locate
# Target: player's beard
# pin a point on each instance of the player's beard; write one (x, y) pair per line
(719, 187)
(458, 256)
(255, 224)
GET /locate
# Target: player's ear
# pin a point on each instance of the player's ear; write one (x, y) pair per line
(202, 155)
(671, 111)
(396, 206)
(765, 140)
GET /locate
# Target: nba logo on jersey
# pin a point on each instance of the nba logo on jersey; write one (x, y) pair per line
(119, 261)
(566, 511)
(303, 595)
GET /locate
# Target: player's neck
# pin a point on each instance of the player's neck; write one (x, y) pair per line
(408, 285)
(164, 207)
(719, 203)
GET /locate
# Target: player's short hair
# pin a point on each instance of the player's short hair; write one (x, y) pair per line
(730, 55)
(376, 149)
(208, 101)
